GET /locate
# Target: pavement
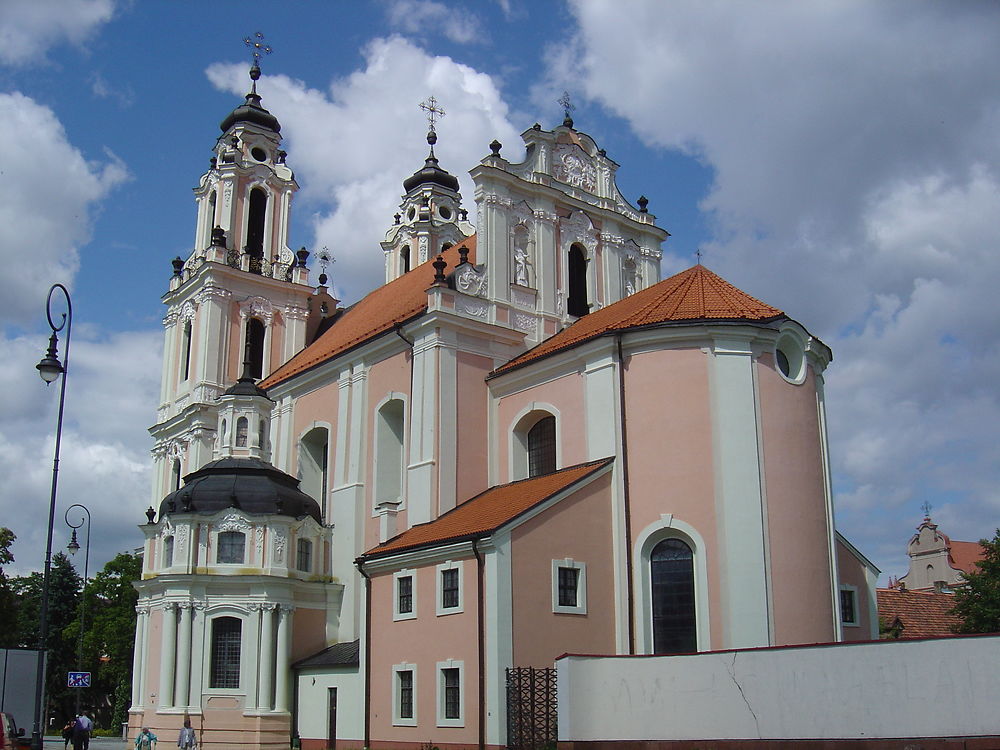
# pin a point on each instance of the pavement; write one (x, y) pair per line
(96, 743)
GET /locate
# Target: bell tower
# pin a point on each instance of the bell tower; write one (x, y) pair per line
(431, 217)
(241, 293)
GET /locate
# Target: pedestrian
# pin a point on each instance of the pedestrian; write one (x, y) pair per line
(145, 740)
(187, 739)
(82, 728)
(67, 733)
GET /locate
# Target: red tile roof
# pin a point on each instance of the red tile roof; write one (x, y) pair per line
(692, 295)
(489, 510)
(923, 614)
(378, 312)
(965, 555)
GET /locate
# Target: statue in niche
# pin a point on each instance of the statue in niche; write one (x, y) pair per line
(629, 276)
(523, 265)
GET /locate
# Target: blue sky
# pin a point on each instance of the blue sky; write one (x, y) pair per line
(836, 159)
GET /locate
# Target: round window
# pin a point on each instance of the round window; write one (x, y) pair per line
(445, 212)
(790, 358)
(258, 153)
(411, 213)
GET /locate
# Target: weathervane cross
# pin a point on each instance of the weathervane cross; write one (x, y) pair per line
(926, 508)
(566, 103)
(433, 111)
(257, 47)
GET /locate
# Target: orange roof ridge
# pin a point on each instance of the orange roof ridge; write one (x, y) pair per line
(489, 510)
(378, 312)
(695, 294)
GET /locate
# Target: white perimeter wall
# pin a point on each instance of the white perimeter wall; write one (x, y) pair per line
(887, 689)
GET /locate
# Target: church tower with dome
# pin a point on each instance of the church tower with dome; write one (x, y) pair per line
(523, 444)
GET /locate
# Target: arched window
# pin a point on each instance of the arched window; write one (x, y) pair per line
(389, 432)
(672, 596)
(314, 451)
(168, 551)
(231, 547)
(255, 347)
(255, 227)
(404, 259)
(226, 636)
(187, 350)
(223, 433)
(576, 302)
(303, 556)
(175, 474)
(542, 447)
(209, 218)
(241, 432)
(262, 435)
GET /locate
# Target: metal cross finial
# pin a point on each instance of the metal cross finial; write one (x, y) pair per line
(257, 47)
(926, 508)
(698, 253)
(433, 111)
(565, 102)
(325, 258)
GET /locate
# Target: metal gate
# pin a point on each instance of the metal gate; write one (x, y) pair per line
(531, 709)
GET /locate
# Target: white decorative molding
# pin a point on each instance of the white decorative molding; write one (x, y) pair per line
(233, 522)
(280, 540)
(547, 217)
(470, 307)
(573, 166)
(522, 298)
(296, 313)
(257, 307)
(422, 247)
(578, 228)
(259, 541)
(187, 311)
(210, 293)
(524, 322)
(469, 280)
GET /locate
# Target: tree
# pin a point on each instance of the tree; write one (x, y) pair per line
(8, 618)
(978, 601)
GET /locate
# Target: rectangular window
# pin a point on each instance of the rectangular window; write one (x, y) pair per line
(405, 584)
(449, 588)
(569, 587)
(405, 682)
(849, 606)
(304, 555)
(168, 552)
(231, 547)
(452, 693)
(225, 667)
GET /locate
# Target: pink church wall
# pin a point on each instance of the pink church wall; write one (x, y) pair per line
(308, 632)
(578, 527)
(423, 641)
(473, 428)
(566, 395)
(670, 451)
(796, 508)
(850, 571)
(321, 405)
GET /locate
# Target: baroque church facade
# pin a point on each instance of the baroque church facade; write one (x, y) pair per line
(524, 443)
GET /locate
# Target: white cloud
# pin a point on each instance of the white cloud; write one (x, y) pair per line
(353, 145)
(28, 27)
(48, 192)
(855, 154)
(426, 16)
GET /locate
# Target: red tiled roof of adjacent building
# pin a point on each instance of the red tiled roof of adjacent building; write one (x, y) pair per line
(964, 556)
(693, 295)
(378, 312)
(923, 614)
(489, 510)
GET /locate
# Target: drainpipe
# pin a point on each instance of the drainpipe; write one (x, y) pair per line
(480, 623)
(368, 652)
(625, 498)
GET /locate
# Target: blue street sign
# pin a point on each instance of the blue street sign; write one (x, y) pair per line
(78, 679)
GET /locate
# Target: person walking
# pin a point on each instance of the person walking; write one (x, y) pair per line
(187, 739)
(145, 740)
(82, 728)
(67, 733)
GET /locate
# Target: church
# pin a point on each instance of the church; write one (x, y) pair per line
(524, 443)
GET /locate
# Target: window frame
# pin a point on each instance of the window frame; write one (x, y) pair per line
(218, 547)
(442, 693)
(306, 545)
(168, 551)
(398, 720)
(580, 608)
(853, 592)
(397, 577)
(439, 598)
(212, 664)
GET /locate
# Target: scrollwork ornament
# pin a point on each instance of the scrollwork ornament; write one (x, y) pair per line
(233, 522)
(257, 307)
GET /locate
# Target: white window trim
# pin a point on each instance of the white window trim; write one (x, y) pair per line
(854, 595)
(412, 575)
(440, 610)
(517, 436)
(246, 546)
(312, 556)
(460, 666)
(581, 587)
(397, 720)
(168, 542)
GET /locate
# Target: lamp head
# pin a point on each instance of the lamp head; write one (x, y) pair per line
(50, 368)
(73, 545)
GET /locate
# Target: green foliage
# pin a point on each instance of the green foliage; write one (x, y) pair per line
(978, 601)
(8, 608)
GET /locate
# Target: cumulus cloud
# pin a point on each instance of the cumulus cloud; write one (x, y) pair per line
(48, 193)
(856, 185)
(353, 144)
(427, 16)
(28, 28)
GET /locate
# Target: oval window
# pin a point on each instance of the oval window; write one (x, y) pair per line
(411, 213)
(789, 358)
(445, 212)
(258, 153)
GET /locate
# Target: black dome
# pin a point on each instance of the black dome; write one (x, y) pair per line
(254, 486)
(431, 173)
(251, 111)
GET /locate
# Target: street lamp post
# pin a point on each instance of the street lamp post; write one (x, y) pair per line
(73, 547)
(50, 369)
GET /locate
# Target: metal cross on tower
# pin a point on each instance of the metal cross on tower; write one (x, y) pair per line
(926, 508)
(433, 111)
(566, 103)
(257, 47)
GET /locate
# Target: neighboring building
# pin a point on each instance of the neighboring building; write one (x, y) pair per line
(917, 614)
(524, 443)
(936, 562)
